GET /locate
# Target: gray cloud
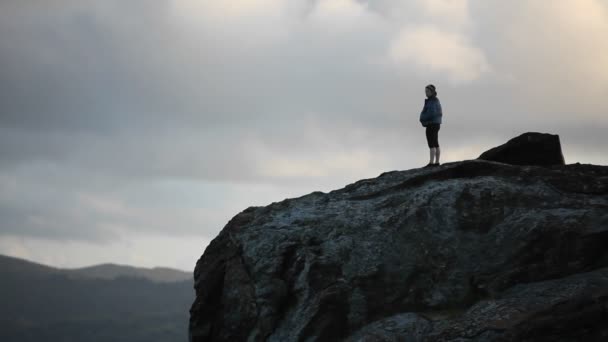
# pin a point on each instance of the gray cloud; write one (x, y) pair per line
(125, 117)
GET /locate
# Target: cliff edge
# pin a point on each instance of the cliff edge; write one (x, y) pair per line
(489, 249)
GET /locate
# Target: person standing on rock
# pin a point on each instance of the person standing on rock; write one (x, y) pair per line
(430, 117)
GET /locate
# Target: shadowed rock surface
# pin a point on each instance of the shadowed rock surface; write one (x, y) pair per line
(473, 250)
(530, 148)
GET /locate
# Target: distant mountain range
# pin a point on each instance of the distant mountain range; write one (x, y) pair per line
(101, 271)
(106, 302)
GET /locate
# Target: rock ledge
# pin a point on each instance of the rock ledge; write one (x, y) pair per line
(475, 250)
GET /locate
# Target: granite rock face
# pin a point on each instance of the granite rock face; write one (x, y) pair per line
(474, 250)
(530, 148)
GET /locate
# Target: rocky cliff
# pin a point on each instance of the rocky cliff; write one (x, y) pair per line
(475, 250)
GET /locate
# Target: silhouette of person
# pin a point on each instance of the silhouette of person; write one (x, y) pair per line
(430, 117)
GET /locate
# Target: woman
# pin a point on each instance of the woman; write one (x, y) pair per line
(430, 117)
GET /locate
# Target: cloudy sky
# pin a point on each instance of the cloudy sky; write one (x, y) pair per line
(132, 131)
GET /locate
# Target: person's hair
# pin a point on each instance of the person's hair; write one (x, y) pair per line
(432, 87)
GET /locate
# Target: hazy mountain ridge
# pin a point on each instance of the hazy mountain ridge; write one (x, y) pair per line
(101, 271)
(42, 303)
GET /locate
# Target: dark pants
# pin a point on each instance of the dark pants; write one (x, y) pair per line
(432, 132)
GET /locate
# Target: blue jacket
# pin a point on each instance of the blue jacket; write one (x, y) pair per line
(431, 112)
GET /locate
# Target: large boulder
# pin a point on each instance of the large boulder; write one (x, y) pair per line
(473, 250)
(530, 148)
